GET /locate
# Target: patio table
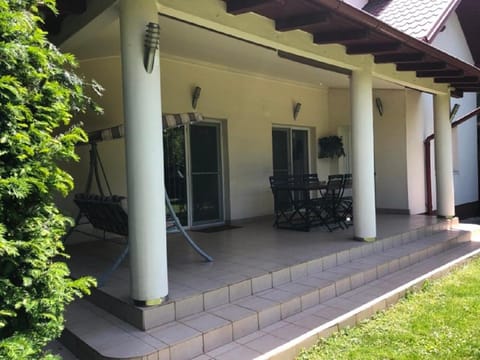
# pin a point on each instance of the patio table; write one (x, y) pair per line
(296, 206)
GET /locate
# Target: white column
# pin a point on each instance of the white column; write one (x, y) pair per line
(363, 176)
(443, 156)
(144, 155)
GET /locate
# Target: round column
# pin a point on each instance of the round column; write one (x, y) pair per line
(363, 172)
(144, 157)
(443, 156)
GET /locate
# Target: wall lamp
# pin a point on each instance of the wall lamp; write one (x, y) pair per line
(296, 110)
(195, 96)
(379, 104)
(454, 111)
(152, 41)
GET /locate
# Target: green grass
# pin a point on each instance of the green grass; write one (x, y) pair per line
(442, 321)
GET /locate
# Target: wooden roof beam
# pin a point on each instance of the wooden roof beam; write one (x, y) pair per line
(237, 7)
(301, 21)
(398, 58)
(441, 73)
(338, 37)
(418, 66)
(372, 48)
(454, 82)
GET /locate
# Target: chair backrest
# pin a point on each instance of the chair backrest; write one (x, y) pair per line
(347, 187)
(104, 212)
(335, 188)
(348, 181)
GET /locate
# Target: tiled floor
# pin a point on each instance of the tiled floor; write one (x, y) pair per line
(254, 249)
(269, 307)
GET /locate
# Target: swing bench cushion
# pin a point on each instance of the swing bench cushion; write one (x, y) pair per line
(107, 213)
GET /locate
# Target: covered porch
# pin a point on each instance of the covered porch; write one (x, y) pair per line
(254, 73)
(248, 257)
(267, 294)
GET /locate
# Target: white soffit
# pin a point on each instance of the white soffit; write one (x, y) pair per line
(196, 44)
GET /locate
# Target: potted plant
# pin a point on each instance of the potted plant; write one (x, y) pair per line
(330, 147)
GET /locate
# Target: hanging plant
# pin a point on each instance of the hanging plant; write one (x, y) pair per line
(330, 147)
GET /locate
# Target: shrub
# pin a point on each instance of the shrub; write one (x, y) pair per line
(38, 94)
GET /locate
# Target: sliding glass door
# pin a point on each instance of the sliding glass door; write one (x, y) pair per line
(193, 173)
(206, 175)
(290, 151)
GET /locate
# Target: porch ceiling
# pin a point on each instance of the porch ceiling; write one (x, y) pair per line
(188, 42)
(335, 22)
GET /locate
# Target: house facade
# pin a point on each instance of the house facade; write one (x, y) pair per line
(380, 88)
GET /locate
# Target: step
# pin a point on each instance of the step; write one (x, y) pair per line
(178, 308)
(93, 333)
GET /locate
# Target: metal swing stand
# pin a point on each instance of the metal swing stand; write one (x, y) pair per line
(91, 205)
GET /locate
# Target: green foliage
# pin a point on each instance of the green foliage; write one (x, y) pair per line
(39, 92)
(330, 147)
(438, 322)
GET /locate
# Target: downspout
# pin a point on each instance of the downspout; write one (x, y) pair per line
(428, 164)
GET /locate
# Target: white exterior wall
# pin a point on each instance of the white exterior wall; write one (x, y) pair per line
(249, 103)
(452, 40)
(415, 103)
(390, 144)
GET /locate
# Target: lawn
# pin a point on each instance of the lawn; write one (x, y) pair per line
(442, 321)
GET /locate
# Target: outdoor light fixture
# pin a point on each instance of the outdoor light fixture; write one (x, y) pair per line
(195, 95)
(454, 111)
(296, 110)
(379, 104)
(152, 41)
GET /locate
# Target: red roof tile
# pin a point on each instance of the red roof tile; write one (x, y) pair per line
(417, 18)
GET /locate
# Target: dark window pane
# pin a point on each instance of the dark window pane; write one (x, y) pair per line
(280, 152)
(300, 152)
(205, 197)
(204, 148)
(175, 171)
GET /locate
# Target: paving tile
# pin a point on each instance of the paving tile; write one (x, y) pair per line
(251, 337)
(204, 322)
(298, 271)
(215, 297)
(290, 307)
(329, 261)
(189, 306)
(343, 257)
(174, 333)
(281, 277)
(357, 280)
(261, 283)
(244, 321)
(238, 352)
(287, 332)
(126, 347)
(187, 350)
(202, 357)
(265, 343)
(159, 315)
(268, 311)
(342, 286)
(306, 320)
(314, 266)
(275, 294)
(314, 282)
(327, 292)
(240, 290)
(310, 299)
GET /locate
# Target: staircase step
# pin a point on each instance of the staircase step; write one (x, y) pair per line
(178, 308)
(328, 291)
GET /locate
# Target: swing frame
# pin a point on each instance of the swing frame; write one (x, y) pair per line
(90, 205)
